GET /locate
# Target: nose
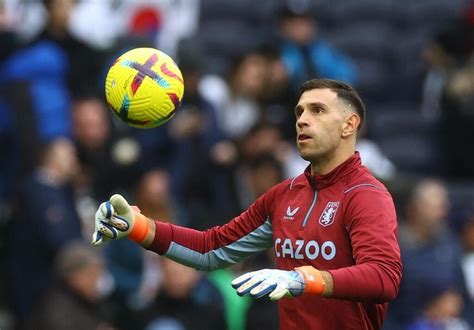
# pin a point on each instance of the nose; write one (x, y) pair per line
(302, 120)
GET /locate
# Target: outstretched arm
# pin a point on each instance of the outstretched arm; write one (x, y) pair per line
(218, 247)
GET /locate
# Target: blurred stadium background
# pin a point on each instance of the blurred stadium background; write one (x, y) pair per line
(63, 152)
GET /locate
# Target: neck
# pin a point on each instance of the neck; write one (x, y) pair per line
(326, 164)
(56, 29)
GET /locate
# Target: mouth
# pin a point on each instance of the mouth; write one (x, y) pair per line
(303, 137)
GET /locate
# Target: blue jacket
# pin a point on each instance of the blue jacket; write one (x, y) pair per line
(44, 66)
(327, 61)
(46, 219)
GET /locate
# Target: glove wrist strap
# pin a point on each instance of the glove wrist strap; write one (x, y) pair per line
(140, 226)
(314, 282)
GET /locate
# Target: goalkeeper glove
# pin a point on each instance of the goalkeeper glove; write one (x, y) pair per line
(116, 219)
(280, 283)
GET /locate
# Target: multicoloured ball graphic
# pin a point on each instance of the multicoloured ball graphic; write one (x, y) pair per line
(144, 87)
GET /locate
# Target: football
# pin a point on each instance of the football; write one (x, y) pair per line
(144, 87)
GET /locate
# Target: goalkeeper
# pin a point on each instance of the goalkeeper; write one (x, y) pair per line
(333, 228)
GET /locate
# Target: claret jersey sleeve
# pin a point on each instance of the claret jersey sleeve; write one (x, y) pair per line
(221, 246)
(372, 227)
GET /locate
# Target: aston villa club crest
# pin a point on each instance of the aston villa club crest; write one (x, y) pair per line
(329, 214)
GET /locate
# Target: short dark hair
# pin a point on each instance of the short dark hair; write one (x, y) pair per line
(342, 90)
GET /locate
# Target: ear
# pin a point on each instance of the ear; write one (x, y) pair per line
(350, 125)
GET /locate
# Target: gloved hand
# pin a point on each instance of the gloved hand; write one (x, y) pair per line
(116, 219)
(276, 283)
(280, 283)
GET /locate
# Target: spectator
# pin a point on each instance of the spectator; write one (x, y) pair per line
(236, 99)
(74, 300)
(36, 100)
(126, 266)
(256, 176)
(154, 194)
(186, 300)
(102, 151)
(137, 272)
(426, 245)
(457, 120)
(265, 138)
(442, 310)
(442, 55)
(8, 40)
(278, 97)
(85, 63)
(91, 131)
(45, 219)
(304, 53)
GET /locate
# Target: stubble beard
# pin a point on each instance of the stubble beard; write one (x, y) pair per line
(311, 154)
(316, 155)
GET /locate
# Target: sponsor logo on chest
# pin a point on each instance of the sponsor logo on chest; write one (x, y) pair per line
(329, 214)
(304, 249)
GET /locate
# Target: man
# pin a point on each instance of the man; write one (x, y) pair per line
(426, 243)
(40, 230)
(304, 52)
(84, 61)
(333, 228)
(180, 302)
(74, 300)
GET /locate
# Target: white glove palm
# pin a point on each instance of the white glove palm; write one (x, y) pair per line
(276, 283)
(113, 220)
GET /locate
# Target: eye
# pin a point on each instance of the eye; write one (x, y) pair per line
(298, 112)
(318, 109)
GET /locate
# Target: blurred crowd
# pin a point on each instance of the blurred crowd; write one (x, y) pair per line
(232, 138)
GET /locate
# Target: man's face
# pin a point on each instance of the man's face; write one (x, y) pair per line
(432, 204)
(250, 78)
(91, 127)
(85, 281)
(319, 123)
(299, 29)
(65, 158)
(60, 11)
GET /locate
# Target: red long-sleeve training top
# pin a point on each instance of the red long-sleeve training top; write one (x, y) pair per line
(343, 222)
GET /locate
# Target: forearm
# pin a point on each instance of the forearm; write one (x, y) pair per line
(215, 248)
(362, 282)
(366, 282)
